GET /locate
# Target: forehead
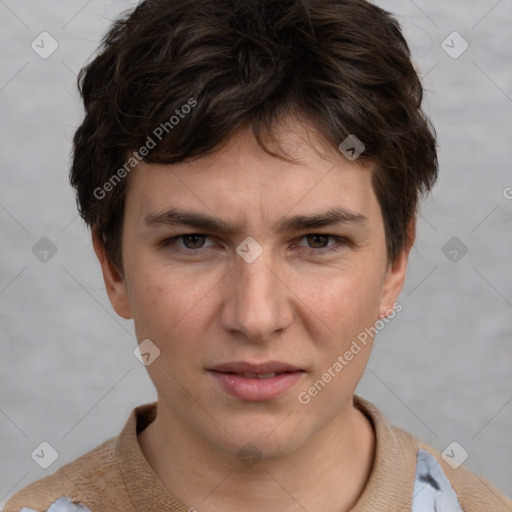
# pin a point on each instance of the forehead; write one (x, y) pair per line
(241, 180)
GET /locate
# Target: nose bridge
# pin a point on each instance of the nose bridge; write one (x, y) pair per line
(256, 302)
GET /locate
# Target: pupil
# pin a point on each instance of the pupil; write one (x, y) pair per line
(317, 241)
(196, 241)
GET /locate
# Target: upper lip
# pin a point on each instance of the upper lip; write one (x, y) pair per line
(260, 368)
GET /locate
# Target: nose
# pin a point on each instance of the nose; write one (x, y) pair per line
(257, 300)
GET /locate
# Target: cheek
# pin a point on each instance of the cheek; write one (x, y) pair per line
(343, 311)
(345, 300)
(167, 303)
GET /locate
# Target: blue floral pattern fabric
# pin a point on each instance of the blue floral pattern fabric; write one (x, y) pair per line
(433, 491)
(63, 504)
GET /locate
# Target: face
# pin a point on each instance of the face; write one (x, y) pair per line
(253, 276)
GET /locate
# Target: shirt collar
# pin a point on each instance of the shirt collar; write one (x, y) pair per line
(391, 479)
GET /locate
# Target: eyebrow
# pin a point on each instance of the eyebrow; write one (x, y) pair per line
(176, 216)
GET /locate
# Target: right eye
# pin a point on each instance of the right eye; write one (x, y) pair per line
(190, 242)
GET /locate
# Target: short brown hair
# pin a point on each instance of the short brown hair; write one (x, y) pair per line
(342, 64)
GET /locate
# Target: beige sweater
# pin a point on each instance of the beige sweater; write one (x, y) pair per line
(116, 476)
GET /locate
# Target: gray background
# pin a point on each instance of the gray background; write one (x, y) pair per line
(441, 369)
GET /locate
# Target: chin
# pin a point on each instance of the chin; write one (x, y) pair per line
(256, 440)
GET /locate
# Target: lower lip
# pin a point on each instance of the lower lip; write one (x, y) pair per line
(257, 390)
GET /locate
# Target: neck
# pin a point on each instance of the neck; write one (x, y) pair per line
(327, 473)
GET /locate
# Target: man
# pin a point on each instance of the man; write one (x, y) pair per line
(251, 173)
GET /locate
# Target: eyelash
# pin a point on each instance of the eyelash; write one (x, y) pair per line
(340, 243)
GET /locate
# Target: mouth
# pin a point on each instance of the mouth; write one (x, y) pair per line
(257, 375)
(256, 382)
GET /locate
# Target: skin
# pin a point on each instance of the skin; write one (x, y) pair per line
(298, 303)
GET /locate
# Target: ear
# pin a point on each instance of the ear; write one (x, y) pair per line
(395, 274)
(114, 281)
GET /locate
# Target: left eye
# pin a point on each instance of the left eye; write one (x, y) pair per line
(316, 241)
(194, 241)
